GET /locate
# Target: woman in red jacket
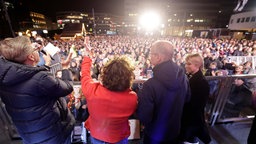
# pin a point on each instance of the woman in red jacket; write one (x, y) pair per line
(110, 102)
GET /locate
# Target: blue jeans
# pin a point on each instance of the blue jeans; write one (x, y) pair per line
(96, 141)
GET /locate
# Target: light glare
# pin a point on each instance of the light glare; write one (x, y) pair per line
(149, 20)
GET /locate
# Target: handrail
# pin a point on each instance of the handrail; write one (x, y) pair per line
(216, 108)
(220, 97)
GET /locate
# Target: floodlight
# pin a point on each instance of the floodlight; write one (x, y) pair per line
(149, 20)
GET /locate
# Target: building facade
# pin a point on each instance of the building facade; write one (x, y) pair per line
(179, 18)
(20, 20)
(94, 23)
(242, 23)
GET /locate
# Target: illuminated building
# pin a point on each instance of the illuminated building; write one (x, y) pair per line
(95, 23)
(179, 17)
(38, 20)
(22, 20)
(243, 22)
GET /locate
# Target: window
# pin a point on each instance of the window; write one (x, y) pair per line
(247, 19)
(253, 19)
(238, 20)
(242, 20)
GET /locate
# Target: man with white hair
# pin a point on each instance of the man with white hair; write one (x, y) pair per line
(163, 96)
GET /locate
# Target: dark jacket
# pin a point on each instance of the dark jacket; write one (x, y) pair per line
(30, 96)
(194, 110)
(161, 102)
(193, 120)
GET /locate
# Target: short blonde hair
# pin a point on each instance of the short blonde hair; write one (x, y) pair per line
(16, 49)
(196, 59)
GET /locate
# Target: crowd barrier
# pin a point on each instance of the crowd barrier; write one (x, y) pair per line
(220, 108)
(242, 59)
(230, 103)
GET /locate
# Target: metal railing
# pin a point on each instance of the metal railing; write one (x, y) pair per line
(214, 109)
(217, 104)
(221, 99)
(242, 59)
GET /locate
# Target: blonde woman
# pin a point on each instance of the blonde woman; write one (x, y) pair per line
(193, 120)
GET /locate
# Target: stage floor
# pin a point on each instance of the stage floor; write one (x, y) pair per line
(229, 133)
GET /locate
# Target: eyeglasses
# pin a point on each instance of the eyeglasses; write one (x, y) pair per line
(36, 47)
(37, 50)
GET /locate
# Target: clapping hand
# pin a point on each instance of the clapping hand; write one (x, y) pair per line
(66, 63)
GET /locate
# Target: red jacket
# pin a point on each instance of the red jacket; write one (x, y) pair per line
(109, 110)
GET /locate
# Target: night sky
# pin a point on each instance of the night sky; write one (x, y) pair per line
(50, 7)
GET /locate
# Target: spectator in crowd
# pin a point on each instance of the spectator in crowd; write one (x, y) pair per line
(221, 73)
(110, 102)
(228, 65)
(32, 95)
(75, 70)
(193, 120)
(254, 51)
(238, 70)
(58, 74)
(162, 97)
(211, 71)
(215, 59)
(248, 68)
(240, 95)
(239, 50)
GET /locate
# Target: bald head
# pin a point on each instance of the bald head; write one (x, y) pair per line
(164, 49)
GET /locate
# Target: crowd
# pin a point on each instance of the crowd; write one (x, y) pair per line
(214, 51)
(161, 99)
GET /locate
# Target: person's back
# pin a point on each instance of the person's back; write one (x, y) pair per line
(31, 95)
(111, 102)
(162, 97)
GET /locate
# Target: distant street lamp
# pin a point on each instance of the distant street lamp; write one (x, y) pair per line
(45, 31)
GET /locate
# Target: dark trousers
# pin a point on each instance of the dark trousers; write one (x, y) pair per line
(190, 134)
(252, 135)
(148, 140)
